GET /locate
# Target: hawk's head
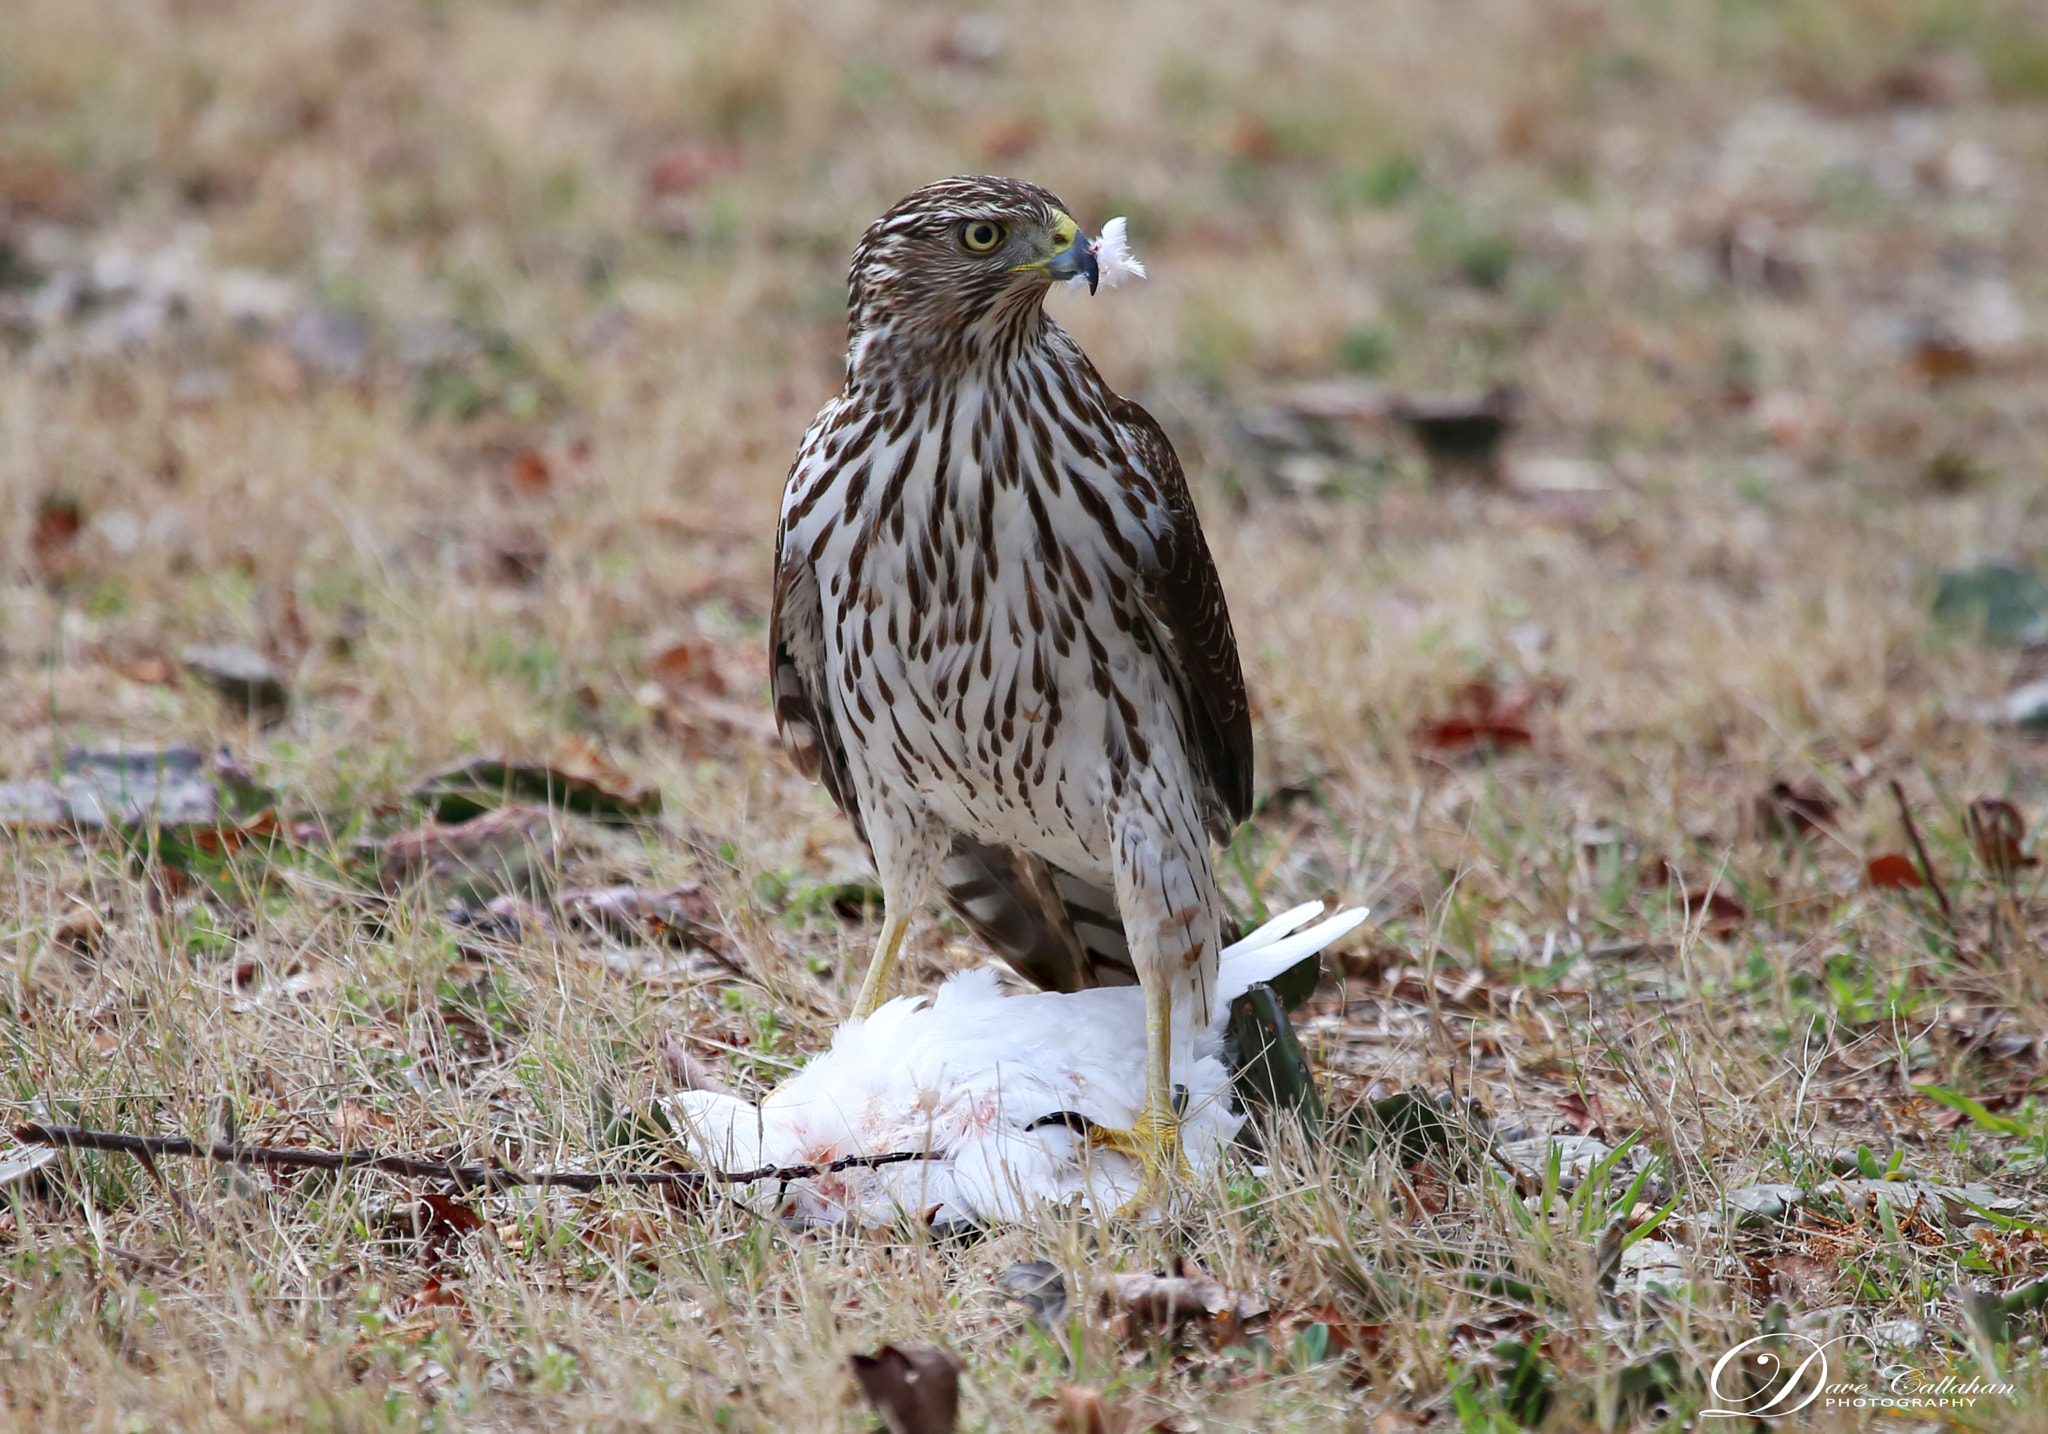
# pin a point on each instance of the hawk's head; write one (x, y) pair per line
(956, 253)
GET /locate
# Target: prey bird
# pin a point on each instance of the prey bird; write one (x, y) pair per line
(998, 637)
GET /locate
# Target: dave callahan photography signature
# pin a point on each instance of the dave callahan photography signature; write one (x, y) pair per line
(1754, 1381)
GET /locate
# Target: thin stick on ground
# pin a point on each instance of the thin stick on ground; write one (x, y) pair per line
(1920, 850)
(465, 1177)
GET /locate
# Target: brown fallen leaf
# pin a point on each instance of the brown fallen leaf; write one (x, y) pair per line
(916, 1390)
(1187, 1295)
(82, 933)
(688, 667)
(1940, 357)
(1253, 141)
(53, 540)
(511, 848)
(1793, 809)
(1007, 137)
(1461, 435)
(446, 1217)
(153, 671)
(440, 1294)
(358, 1125)
(1999, 833)
(518, 557)
(580, 780)
(1582, 1114)
(1481, 716)
(1892, 872)
(682, 915)
(1080, 1410)
(686, 165)
(530, 471)
(690, 1071)
(1716, 911)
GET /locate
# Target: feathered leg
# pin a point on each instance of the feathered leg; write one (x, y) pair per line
(907, 845)
(1166, 889)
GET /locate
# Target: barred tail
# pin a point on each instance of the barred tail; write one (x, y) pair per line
(1056, 930)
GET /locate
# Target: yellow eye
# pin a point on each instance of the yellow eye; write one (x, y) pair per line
(980, 236)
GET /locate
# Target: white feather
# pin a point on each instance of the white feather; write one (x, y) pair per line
(963, 1074)
(1114, 261)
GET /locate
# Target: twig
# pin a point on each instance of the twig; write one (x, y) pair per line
(463, 1177)
(1926, 867)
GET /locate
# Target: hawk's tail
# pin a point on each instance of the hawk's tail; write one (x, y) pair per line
(1055, 930)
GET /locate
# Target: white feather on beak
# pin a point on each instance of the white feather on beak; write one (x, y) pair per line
(963, 1075)
(1113, 257)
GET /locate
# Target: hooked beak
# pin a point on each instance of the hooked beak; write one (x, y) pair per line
(1072, 257)
(1076, 261)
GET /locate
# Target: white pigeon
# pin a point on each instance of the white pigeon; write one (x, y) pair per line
(985, 1086)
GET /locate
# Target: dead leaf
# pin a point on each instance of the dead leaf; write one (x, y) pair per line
(1941, 357)
(1456, 988)
(1802, 1280)
(512, 848)
(82, 933)
(581, 780)
(1999, 833)
(1080, 1410)
(1253, 140)
(637, 1235)
(1717, 911)
(1892, 872)
(446, 1216)
(154, 671)
(682, 915)
(687, 165)
(278, 371)
(53, 540)
(1187, 1295)
(1939, 80)
(690, 1071)
(1040, 1288)
(1008, 137)
(246, 680)
(1789, 809)
(916, 1391)
(530, 471)
(519, 556)
(688, 667)
(1481, 717)
(439, 1294)
(1582, 1113)
(1461, 434)
(1349, 1336)
(358, 1125)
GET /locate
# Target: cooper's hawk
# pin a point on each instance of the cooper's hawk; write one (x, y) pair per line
(998, 636)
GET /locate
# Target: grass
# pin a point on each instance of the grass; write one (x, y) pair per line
(452, 356)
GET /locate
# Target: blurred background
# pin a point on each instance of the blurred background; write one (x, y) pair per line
(1641, 365)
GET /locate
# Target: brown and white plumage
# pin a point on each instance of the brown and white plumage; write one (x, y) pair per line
(998, 636)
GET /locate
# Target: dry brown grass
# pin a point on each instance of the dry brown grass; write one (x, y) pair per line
(1466, 192)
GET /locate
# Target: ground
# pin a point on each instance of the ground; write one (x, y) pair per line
(449, 357)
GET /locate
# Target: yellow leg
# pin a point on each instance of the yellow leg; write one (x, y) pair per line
(874, 989)
(1154, 1140)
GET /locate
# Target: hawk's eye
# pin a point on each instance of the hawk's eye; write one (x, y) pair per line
(980, 236)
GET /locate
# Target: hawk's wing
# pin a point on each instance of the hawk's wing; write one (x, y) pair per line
(796, 657)
(1185, 598)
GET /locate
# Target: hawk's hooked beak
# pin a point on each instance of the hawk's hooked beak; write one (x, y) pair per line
(1073, 255)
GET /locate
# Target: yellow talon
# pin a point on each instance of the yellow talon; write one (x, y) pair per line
(1154, 1142)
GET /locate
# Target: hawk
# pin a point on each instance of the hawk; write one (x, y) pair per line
(998, 637)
